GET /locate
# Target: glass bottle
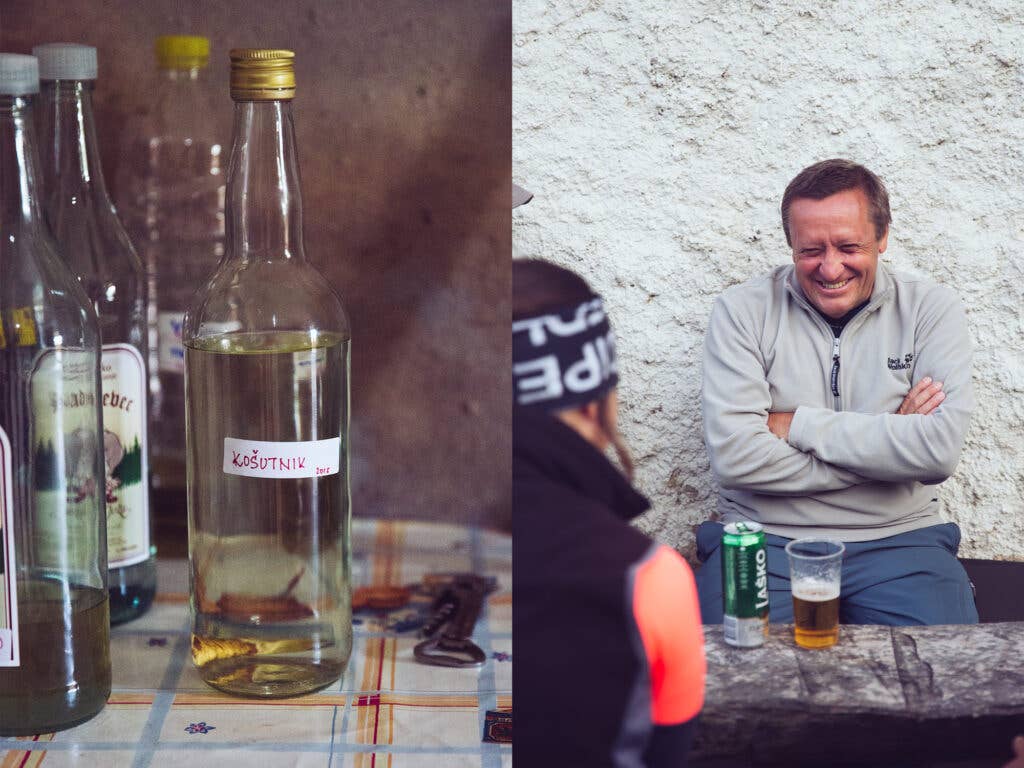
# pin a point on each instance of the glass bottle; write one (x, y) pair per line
(169, 186)
(267, 415)
(96, 248)
(54, 621)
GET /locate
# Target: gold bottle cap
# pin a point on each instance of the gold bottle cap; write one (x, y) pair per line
(262, 74)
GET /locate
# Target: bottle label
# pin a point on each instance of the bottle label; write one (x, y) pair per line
(309, 362)
(66, 459)
(171, 351)
(261, 458)
(123, 377)
(25, 326)
(9, 656)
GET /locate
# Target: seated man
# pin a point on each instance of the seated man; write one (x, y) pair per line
(836, 397)
(608, 640)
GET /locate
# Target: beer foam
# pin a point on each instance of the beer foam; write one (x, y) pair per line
(815, 590)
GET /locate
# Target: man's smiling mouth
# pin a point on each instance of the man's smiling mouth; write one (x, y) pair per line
(833, 286)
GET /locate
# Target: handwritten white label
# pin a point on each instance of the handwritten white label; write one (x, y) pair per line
(262, 458)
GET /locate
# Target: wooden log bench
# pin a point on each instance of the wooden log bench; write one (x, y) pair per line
(886, 697)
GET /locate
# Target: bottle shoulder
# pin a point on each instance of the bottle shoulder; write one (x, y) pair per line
(94, 241)
(43, 302)
(266, 295)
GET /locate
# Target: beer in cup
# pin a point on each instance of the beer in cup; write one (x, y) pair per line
(815, 567)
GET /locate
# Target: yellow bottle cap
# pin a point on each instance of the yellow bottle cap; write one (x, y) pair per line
(182, 51)
(262, 74)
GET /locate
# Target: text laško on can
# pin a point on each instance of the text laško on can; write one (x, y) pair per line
(744, 585)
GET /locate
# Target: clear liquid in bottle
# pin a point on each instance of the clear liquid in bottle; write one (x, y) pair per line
(269, 561)
(64, 675)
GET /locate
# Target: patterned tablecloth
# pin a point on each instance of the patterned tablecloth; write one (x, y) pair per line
(386, 712)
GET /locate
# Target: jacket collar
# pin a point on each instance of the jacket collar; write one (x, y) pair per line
(544, 447)
(880, 293)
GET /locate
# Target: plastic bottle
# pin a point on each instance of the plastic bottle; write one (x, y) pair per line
(96, 248)
(54, 621)
(267, 390)
(170, 192)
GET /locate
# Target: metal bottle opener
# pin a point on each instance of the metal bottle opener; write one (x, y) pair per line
(456, 611)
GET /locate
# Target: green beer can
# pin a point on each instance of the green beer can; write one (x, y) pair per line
(744, 585)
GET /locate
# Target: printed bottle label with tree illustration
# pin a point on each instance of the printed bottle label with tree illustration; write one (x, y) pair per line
(123, 378)
(65, 448)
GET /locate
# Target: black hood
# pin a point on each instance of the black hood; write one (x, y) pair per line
(543, 448)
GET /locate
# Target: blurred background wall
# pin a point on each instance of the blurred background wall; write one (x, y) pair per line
(658, 141)
(403, 113)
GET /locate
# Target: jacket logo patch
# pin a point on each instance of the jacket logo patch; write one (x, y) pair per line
(896, 365)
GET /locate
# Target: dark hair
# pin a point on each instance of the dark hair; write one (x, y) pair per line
(538, 286)
(828, 177)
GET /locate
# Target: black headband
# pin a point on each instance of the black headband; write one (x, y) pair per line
(563, 358)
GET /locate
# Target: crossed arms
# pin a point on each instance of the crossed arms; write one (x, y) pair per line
(815, 449)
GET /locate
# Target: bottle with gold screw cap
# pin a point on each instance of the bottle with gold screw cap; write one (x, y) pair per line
(267, 414)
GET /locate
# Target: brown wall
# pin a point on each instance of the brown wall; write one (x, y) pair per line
(403, 114)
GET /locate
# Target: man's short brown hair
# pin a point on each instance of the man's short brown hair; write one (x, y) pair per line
(828, 177)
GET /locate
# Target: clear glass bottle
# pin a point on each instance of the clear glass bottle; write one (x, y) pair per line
(169, 186)
(54, 622)
(267, 415)
(97, 249)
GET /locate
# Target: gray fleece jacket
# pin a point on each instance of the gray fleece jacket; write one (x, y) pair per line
(852, 468)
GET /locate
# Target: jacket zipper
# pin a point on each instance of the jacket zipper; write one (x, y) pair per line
(874, 304)
(835, 371)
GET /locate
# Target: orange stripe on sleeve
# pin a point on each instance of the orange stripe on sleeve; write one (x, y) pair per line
(668, 616)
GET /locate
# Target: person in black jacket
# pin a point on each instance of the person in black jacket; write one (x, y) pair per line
(608, 642)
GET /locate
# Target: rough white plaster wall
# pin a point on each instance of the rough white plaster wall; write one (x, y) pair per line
(658, 138)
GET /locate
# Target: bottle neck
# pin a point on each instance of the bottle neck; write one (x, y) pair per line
(264, 204)
(67, 130)
(176, 76)
(19, 165)
(180, 107)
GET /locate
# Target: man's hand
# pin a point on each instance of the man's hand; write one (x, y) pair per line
(779, 423)
(923, 398)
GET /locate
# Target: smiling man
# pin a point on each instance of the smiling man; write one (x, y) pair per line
(836, 396)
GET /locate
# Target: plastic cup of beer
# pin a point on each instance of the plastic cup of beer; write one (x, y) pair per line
(815, 570)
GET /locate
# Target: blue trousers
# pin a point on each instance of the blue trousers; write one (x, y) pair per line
(910, 578)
